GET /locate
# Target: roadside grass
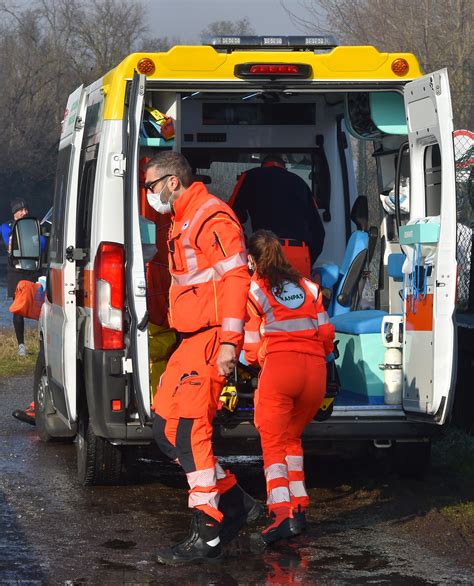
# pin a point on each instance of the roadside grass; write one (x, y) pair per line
(453, 453)
(10, 363)
(454, 450)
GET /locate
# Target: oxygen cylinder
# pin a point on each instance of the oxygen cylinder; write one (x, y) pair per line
(393, 376)
(392, 337)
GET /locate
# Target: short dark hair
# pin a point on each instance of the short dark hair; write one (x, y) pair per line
(173, 163)
(273, 159)
(17, 204)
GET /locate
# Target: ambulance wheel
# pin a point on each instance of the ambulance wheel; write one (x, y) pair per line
(98, 461)
(49, 426)
(412, 459)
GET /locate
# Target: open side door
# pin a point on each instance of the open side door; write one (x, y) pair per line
(135, 266)
(60, 349)
(429, 362)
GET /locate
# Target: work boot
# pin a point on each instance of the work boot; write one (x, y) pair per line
(300, 515)
(284, 525)
(202, 543)
(238, 508)
(26, 415)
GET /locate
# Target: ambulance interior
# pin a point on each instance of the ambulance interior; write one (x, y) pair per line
(348, 147)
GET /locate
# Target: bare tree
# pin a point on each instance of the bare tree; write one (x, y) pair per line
(228, 27)
(440, 34)
(47, 49)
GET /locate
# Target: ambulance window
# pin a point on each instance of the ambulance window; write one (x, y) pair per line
(433, 180)
(86, 192)
(56, 242)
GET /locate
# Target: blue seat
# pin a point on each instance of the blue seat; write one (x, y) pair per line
(344, 281)
(395, 264)
(364, 321)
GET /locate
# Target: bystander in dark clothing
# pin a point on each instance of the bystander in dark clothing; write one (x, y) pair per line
(278, 200)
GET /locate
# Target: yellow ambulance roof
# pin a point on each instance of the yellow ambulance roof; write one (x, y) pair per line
(205, 63)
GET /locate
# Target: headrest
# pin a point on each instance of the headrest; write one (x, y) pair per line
(360, 213)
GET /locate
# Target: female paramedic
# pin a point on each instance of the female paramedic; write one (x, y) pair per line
(288, 333)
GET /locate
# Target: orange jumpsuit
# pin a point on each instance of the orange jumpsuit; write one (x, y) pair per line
(208, 295)
(289, 334)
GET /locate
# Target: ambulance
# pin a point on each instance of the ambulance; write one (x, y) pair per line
(335, 114)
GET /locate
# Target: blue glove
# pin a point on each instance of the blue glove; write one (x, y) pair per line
(330, 357)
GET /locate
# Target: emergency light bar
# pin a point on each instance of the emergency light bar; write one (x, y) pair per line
(274, 42)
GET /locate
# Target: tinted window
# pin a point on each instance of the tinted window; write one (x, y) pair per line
(56, 243)
(88, 167)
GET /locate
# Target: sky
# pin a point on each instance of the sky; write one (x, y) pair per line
(187, 18)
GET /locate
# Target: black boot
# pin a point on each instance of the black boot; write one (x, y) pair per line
(300, 516)
(238, 508)
(284, 525)
(202, 543)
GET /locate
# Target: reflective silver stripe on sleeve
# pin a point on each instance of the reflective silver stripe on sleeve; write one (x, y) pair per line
(260, 297)
(252, 337)
(291, 325)
(189, 252)
(312, 287)
(232, 324)
(233, 262)
(323, 318)
(196, 277)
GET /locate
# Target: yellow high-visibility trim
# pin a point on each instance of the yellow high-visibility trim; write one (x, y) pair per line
(199, 63)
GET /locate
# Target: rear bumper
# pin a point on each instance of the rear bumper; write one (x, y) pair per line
(104, 383)
(345, 428)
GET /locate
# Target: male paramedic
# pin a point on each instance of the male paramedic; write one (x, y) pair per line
(278, 200)
(207, 306)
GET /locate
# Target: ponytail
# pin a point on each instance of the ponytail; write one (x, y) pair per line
(271, 264)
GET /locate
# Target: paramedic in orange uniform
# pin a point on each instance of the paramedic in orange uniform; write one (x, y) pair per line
(207, 306)
(278, 200)
(289, 335)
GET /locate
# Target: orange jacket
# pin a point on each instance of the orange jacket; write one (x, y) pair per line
(208, 266)
(293, 320)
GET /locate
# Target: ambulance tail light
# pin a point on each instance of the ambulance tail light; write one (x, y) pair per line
(109, 288)
(273, 70)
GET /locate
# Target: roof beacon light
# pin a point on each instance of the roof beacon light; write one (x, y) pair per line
(272, 70)
(146, 66)
(274, 42)
(400, 66)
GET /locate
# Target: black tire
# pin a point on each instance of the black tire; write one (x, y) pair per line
(412, 459)
(98, 461)
(49, 425)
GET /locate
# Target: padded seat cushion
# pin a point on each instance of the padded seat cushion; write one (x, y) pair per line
(365, 321)
(395, 264)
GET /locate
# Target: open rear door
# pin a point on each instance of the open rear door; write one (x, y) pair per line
(135, 266)
(429, 349)
(61, 352)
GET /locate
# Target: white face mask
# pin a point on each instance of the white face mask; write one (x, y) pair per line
(154, 199)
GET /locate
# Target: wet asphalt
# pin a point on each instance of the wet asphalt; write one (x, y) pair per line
(53, 531)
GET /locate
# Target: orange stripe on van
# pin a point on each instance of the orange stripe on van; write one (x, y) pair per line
(57, 286)
(88, 288)
(422, 319)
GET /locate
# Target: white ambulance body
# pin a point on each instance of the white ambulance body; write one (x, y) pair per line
(231, 104)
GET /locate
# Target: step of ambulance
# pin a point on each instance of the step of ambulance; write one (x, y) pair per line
(360, 352)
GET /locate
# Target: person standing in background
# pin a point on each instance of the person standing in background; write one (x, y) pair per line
(19, 210)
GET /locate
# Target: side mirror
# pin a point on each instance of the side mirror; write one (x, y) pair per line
(25, 254)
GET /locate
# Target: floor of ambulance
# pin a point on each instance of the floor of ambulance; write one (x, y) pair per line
(347, 398)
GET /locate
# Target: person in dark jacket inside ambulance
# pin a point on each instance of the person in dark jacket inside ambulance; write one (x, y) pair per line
(278, 200)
